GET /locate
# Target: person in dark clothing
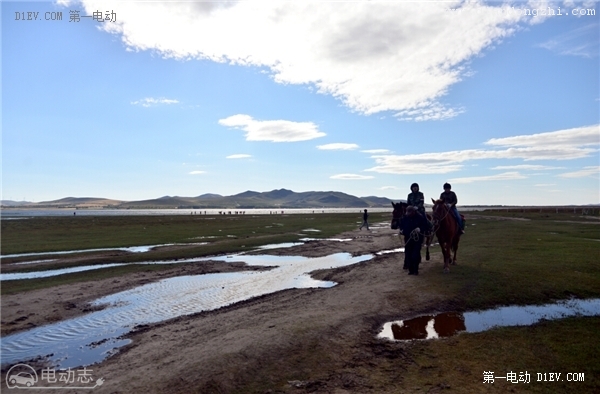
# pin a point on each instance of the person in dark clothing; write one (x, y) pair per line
(365, 222)
(449, 197)
(416, 199)
(412, 226)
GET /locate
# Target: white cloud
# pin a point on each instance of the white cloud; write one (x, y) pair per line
(425, 163)
(239, 156)
(576, 137)
(532, 167)
(197, 172)
(373, 56)
(593, 171)
(556, 145)
(376, 151)
(582, 41)
(273, 130)
(388, 188)
(337, 146)
(507, 176)
(350, 177)
(151, 102)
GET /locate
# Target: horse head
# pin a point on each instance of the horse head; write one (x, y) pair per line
(399, 209)
(397, 213)
(440, 210)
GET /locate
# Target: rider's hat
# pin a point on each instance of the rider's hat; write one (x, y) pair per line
(447, 186)
(413, 185)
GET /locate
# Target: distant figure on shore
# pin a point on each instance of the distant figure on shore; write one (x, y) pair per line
(365, 220)
(449, 197)
(412, 226)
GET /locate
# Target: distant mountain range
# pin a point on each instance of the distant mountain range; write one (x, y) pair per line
(281, 198)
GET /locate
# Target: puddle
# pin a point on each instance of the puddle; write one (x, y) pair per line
(48, 273)
(72, 343)
(311, 230)
(452, 323)
(281, 245)
(132, 249)
(326, 239)
(398, 250)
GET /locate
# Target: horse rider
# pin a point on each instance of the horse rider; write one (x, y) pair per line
(416, 199)
(412, 226)
(449, 197)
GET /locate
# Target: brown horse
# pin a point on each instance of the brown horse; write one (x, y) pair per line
(447, 232)
(398, 212)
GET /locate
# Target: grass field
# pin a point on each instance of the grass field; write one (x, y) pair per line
(501, 262)
(511, 262)
(51, 234)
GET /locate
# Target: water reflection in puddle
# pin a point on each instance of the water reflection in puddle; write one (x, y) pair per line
(70, 342)
(452, 323)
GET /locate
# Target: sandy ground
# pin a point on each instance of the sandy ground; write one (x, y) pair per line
(300, 340)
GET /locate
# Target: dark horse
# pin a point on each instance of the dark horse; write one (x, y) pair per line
(398, 212)
(447, 232)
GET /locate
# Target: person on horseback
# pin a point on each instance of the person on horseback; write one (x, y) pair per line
(449, 197)
(412, 226)
(416, 199)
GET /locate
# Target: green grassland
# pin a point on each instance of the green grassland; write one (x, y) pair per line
(51, 234)
(511, 262)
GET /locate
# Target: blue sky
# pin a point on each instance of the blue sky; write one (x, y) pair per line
(363, 97)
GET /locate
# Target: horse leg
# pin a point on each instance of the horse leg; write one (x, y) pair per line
(427, 243)
(446, 252)
(455, 248)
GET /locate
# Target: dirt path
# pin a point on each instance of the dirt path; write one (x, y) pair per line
(301, 340)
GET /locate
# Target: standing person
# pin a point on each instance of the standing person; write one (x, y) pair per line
(412, 226)
(365, 222)
(449, 197)
(416, 199)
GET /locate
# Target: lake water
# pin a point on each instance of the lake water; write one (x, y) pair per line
(15, 213)
(12, 213)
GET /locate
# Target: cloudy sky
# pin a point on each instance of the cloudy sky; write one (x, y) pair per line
(153, 98)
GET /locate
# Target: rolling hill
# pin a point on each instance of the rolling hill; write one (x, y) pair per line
(280, 198)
